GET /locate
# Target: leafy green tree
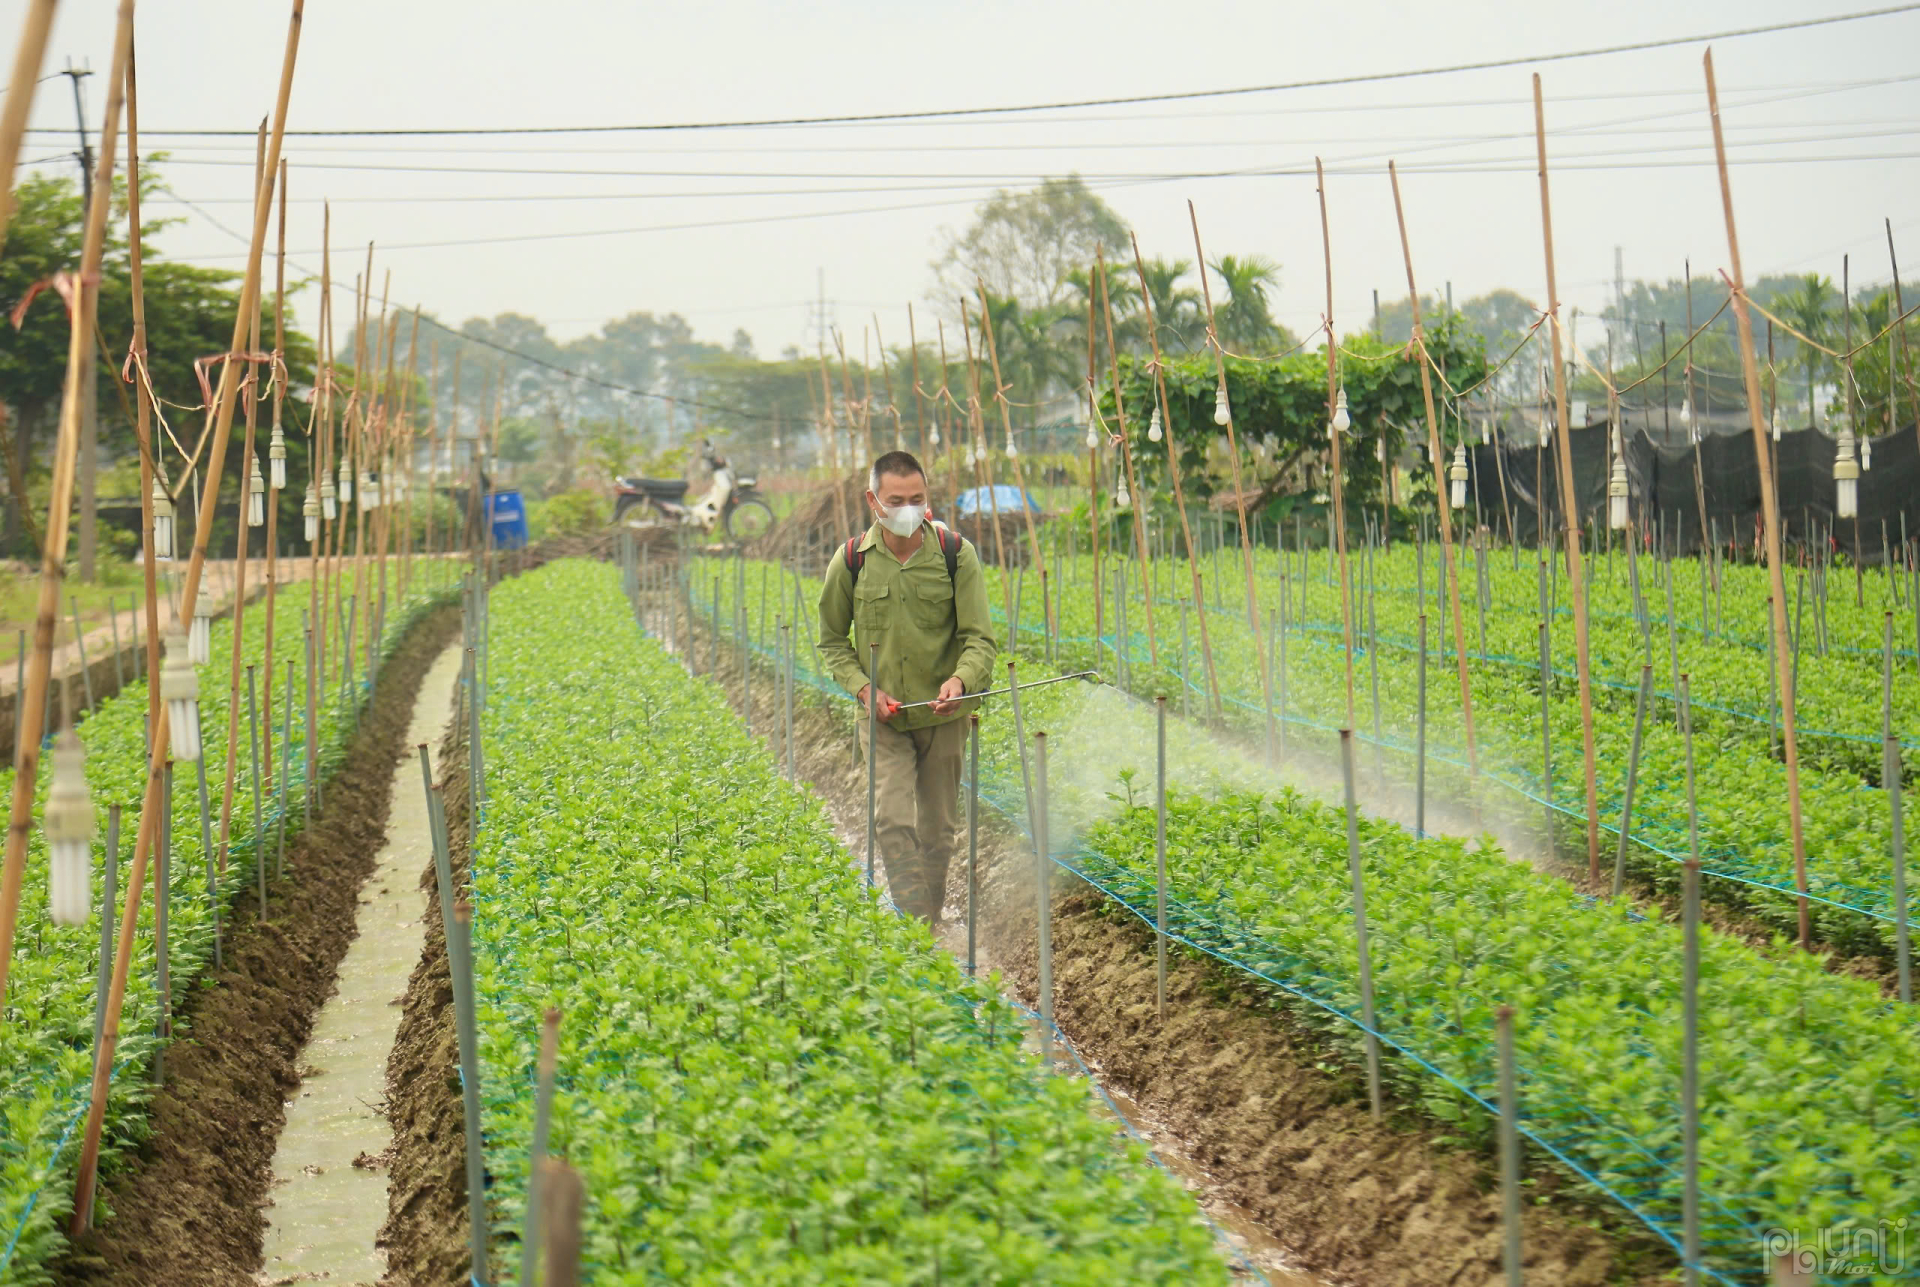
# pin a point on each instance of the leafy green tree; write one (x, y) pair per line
(1024, 245)
(190, 312)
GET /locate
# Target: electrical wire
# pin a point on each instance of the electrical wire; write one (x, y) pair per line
(1365, 78)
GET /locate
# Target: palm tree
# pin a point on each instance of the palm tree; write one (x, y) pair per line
(1176, 308)
(1808, 308)
(1245, 321)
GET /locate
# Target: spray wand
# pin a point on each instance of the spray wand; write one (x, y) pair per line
(995, 692)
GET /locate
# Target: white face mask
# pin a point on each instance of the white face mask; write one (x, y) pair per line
(901, 520)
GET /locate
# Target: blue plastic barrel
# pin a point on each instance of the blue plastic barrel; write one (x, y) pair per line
(507, 514)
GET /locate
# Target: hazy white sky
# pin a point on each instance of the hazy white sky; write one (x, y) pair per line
(715, 224)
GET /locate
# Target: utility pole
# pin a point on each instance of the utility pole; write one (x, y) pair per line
(89, 458)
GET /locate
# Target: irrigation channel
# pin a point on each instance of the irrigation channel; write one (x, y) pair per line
(329, 1175)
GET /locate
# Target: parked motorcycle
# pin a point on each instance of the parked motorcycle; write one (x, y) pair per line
(731, 501)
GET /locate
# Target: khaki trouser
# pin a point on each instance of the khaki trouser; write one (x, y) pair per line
(916, 809)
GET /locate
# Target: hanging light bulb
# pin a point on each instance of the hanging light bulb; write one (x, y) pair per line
(69, 829)
(1154, 432)
(329, 500)
(277, 459)
(776, 442)
(310, 511)
(1122, 497)
(180, 689)
(1486, 433)
(1846, 477)
(1686, 418)
(1380, 450)
(1546, 432)
(1778, 422)
(1866, 453)
(1012, 451)
(256, 497)
(1222, 410)
(1457, 476)
(1341, 420)
(1617, 488)
(1093, 438)
(200, 641)
(346, 482)
(933, 435)
(162, 523)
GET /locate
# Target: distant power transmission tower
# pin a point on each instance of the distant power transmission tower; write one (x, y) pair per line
(820, 318)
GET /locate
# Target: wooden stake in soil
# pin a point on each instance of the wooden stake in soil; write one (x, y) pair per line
(1509, 1148)
(1160, 855)
(1770, 518)
(1633, 777)
(1360, 925)
(1043, 884)
(537, 1154)
(1576, 572)
(80, 367)
(1450, 571)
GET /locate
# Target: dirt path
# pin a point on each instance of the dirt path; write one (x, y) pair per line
(329, 1173)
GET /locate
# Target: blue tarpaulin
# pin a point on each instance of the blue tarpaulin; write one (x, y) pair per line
(984, 500)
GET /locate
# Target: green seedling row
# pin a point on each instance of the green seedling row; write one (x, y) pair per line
(765, 1074)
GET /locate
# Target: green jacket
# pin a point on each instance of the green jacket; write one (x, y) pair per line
(929, 627)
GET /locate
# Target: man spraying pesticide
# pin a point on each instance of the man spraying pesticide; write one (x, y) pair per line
(911, 594)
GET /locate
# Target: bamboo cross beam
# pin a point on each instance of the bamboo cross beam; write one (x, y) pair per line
(1576, 572)
(33, 708)
(1770, 515)
(85, 1169)
(1436, 452)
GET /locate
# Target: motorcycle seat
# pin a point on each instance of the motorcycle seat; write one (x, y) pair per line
(668, 487)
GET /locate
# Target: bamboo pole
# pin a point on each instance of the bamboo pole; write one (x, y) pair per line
(1770, 517)
(1233, 457)
(28, 56)
(85, 1169)
(1126, 458)
(1093, 478)
(886, 384)
(1006, 425)
(433, 448)
(263, 191)
(1576, 572)
(919, 408)
(142, 399)
(945, 399)
(983, 470)
(1337, 483)
(80, 367)
(1173, 471)
(406, 452)
(1450, 570)
(273, 493)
